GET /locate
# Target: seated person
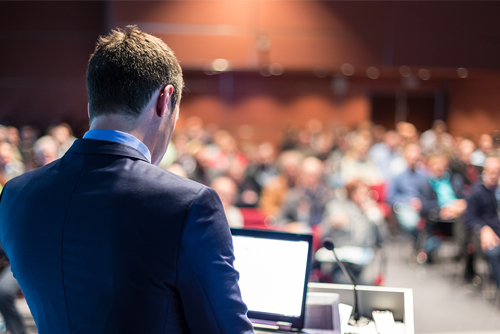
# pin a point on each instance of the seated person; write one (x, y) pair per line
(403, 192)
(46, 150)
(352, 222)
(442, 200)
(274, 192)
(305, 203)
(263, 169)
(436, 138)
(10, 167)
(484, 147)
(356, 164)
(247, 189)
(482, 217)
(461, 165)
(387, 155)
(227, 190)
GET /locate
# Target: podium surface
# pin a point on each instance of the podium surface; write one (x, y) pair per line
(397, 300)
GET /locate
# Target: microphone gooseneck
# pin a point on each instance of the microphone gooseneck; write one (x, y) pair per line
(328, 244)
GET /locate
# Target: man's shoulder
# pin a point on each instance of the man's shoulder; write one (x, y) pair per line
(478, 189)
(158, 177)
(28, 177)
(400, 176)
(142, 176)
(404, 175)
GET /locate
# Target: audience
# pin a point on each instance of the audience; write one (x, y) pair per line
(305, 202)
(354, 222)
(325, 179)
(461, 165)
(387, 156)
(436, 139)
(482, 217)
(46, 150)
(11, 167)
(64, 135)
(275, 191)
(404, 191)
(356, 163)
(484, 147)
(442, 201)
(226, 188)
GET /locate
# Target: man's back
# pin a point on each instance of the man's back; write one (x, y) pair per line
(101, 241)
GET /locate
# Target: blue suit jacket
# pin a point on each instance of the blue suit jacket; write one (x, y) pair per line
(103, 242)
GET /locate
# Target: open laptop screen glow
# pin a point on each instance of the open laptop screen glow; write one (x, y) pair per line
(272, 274)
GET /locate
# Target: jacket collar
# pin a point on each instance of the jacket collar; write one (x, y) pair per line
(104, 147)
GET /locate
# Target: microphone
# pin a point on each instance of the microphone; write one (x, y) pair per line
(328, 244)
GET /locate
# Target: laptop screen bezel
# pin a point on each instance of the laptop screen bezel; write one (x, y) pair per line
(296, 322)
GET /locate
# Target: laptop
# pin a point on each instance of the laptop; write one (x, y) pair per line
(274, 270)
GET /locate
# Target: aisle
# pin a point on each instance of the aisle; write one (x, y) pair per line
(441, 304)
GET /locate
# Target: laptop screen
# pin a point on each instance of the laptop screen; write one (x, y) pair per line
(274, 270)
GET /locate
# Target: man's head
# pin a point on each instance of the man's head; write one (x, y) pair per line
(6, 153)
(412, 154)
(46, 150)
(265, 153)
(311, 172)
(62, 133)
(465, 149)
(439, 126)
(438, 163)
(126, 69)
(226, 189)
(392, 139)
(357, 191)
(485, 143)
(491, 171)
(134, 84)
(361, 144)
(13, 135)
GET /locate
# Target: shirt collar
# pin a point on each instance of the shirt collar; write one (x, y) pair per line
(445, 176)
(119, 137)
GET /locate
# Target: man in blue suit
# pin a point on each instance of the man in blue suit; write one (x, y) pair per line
(102, 240)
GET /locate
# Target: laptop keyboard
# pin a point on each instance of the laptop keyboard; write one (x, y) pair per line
(305, 331)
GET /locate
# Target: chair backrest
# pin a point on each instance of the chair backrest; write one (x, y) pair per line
(254, 218)
(379, 192)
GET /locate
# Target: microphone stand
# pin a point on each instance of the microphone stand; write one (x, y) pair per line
(356, 320)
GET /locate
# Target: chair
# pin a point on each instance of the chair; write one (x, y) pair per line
(378, 193)
(255, 219)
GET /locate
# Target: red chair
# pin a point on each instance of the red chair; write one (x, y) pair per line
(379, 193)
(255, 219)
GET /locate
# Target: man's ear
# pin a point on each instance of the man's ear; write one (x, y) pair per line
(163, 104)
(88, 113)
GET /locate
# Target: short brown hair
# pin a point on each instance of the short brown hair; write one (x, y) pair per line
(127, 67)
(352, 186)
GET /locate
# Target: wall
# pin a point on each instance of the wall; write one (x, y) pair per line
(45, 50)
(475, 105)
(269, 105)
(46, 45)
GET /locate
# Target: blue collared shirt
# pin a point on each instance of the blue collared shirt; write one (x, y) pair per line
(119, 137)
(442, 187)
(405, 186)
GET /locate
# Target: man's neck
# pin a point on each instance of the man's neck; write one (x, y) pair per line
(489, 185)
(124, 124)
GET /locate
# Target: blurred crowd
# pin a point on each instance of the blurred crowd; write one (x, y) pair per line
(355, 186)
(24, 150)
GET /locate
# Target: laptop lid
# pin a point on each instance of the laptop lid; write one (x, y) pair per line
(274, 271)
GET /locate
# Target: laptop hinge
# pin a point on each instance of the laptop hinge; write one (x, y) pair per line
(271, 325)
